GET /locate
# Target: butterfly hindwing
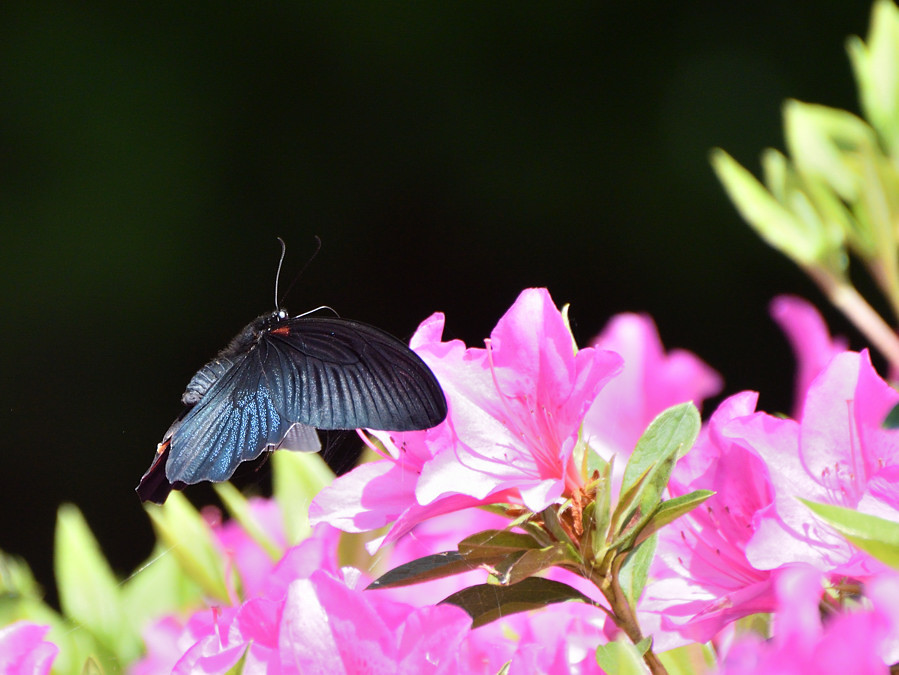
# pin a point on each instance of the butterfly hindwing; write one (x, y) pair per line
(233, 423)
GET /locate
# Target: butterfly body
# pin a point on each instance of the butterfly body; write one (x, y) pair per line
(280, 379)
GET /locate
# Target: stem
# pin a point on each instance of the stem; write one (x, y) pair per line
(849, 301)
(885, 274)
(623, 614)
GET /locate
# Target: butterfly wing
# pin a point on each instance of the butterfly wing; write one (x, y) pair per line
(300, 374)
(234, 422)
(332, 373)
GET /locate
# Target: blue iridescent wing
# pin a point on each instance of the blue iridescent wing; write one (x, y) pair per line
(234, 422)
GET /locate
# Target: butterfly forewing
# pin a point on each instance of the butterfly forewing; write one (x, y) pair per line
(339, 374)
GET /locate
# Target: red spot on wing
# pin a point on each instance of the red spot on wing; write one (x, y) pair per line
(154, 486)
(281, 330)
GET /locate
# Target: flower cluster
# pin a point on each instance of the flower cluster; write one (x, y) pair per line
(540, 432)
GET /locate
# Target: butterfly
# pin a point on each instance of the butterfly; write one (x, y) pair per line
(279, 380)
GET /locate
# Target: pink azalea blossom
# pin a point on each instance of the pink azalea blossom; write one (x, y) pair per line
(848, 642)
(515, 411)
(253, 563)
(330, 628)
(704, 580)
(558, 640)
(650, 382)
(811, 342)
(212, 640)
(838, 454)
(23, 650)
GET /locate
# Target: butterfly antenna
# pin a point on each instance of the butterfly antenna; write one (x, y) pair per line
(278, 273)
(318, 247)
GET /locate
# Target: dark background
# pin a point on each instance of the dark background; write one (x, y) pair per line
(448, 154)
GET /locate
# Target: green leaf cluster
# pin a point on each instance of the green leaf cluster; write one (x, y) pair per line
(836, 193)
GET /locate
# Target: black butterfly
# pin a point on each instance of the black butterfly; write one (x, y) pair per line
(277, 382)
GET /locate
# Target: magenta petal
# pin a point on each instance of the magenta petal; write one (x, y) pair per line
(650, 382)
(842, 440)
(881, 496)
(430, 638)
(329, 628)
(23, 650)
(368, 497)
(799, 591)
(515, 408)
(206, 658)
(829, 458)
(810, 339)
(430, 331)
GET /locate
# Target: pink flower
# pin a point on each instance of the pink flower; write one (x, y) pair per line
(23, 650)
(704, 580)
(516, 409)
(253, 562)
(651, 382)
(558, 640)
(212, 640)
(838, 454)
(848, 642)
(328, 627)
(811, 342)
(163, 651)
(221, 636)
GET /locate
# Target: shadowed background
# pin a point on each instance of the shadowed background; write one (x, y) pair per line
(448, 155)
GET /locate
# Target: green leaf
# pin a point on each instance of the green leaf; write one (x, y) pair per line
(551, 521)
(238, 667)
(488, 602)
(691, 659)
(181, 528)
(892, 420)
(877, 536)
(592, 462)
(876, 69)
(16, 579)
(598, 516)
(670, 510)
(813, 202)
(430, 567)
(668, 438)
(239, 508)
(806, 244)
(621, 658)
(91, 667)
(635, 570)
(518, 566)
(88, 590)
(296, 478)
(627, 506)
(157, 587)
(819, 139)
(493, 542)
(672, 432)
